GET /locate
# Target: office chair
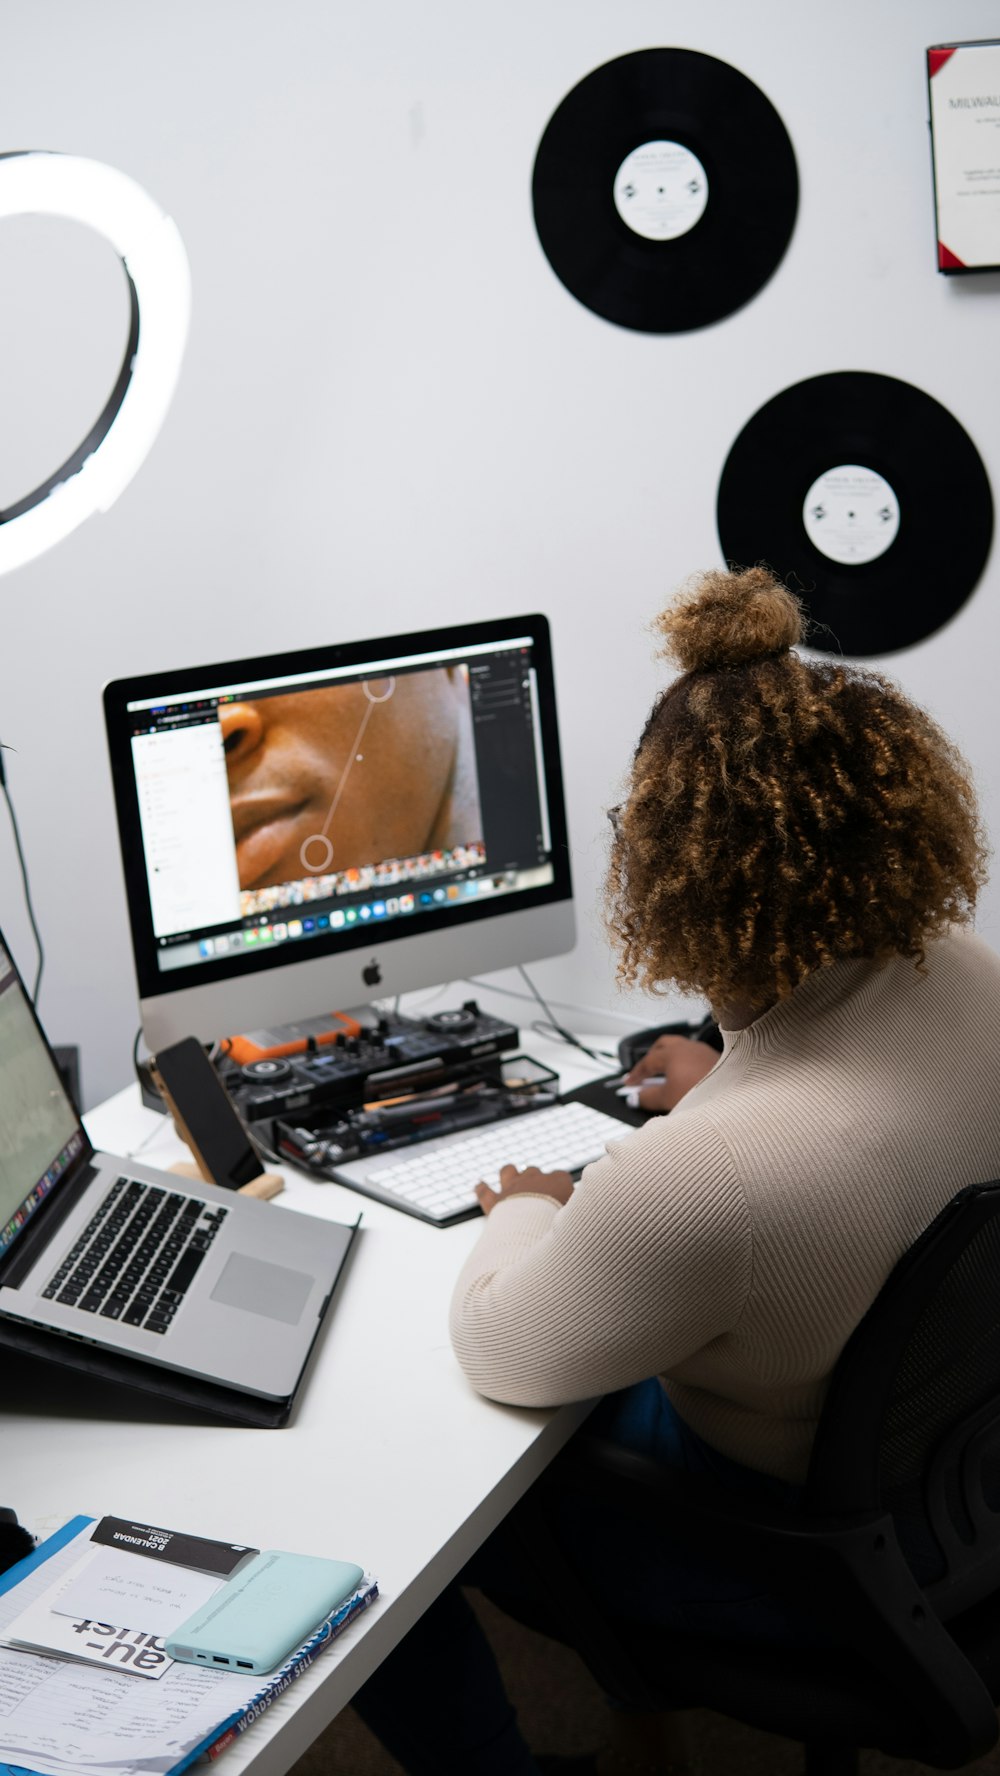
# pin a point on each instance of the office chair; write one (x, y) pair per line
(904, 1479)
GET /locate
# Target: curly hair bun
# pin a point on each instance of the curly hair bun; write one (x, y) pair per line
(730, 619)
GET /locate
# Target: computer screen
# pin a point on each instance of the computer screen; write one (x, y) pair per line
(40, 1133)
(308, 831)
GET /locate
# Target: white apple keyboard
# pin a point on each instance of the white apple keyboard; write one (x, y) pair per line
(436, 1179)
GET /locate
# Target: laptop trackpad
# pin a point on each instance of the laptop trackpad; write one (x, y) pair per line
(262, 1288)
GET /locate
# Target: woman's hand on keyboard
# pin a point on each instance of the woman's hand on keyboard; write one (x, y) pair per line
(530, 1182)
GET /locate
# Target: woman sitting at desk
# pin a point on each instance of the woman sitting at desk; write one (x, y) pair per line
(800, 844)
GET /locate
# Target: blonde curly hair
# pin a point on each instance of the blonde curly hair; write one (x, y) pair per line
(782, 814)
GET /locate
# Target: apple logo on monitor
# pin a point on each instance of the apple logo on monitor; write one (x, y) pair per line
(371, 973)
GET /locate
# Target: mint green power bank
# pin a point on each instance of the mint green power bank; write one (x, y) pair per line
(264, 1612)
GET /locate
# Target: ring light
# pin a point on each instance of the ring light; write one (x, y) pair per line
(40, 183)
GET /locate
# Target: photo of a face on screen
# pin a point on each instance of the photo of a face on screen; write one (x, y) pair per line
(326, 784)
(384, 813)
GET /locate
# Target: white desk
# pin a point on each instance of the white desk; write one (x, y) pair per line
(390, 1458)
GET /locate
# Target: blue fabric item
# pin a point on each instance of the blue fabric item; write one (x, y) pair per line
(437, 1702)
(669, 1586)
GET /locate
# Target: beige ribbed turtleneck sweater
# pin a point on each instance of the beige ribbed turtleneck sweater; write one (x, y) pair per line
(732, 1246)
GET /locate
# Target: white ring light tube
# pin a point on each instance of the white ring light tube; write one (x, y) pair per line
(40, 183)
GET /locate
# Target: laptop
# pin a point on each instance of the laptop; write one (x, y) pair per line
(136, 1262)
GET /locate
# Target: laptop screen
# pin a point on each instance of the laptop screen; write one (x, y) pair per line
(40, 1133)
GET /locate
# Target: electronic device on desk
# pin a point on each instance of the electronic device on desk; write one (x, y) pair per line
(110, 1266)
(389, 1053)
(313, 829)
(207, 1122)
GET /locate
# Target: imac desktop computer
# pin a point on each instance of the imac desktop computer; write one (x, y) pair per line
(309, 831)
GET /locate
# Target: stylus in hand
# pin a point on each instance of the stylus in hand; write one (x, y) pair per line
(631, 1092)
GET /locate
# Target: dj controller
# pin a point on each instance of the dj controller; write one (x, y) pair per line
(395, 1056)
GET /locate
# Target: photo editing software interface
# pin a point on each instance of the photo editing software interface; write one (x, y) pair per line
(287, 802)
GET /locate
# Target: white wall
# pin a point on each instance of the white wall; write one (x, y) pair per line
(391, 411)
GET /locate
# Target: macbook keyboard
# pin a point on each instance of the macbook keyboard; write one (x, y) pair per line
(138, 1255)
(437, 1178)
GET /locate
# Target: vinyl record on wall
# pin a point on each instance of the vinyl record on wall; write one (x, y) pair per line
(665, 190)
(869, 498)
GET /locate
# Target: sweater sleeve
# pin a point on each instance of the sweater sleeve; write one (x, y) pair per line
(649, 1261)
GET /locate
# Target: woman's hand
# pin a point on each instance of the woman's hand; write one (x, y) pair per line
(529, 1182)
(679, 1062)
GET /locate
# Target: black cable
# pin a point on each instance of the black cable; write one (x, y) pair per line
(601, 1054)
(24, 879)
(704, 1030)
(489, 986)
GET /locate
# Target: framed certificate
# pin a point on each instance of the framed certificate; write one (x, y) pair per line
(964, 82)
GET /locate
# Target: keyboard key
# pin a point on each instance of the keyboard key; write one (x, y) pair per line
(184, 1274)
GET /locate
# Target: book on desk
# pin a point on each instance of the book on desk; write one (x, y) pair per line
(65, 1719)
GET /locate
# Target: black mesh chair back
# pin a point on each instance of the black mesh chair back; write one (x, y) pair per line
(911, 1423)
(895, 1553)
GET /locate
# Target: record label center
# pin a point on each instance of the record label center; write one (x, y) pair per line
(661, 190)
(851, 514)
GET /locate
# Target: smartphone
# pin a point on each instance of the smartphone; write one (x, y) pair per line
(204, 1114)
(264, 1612)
